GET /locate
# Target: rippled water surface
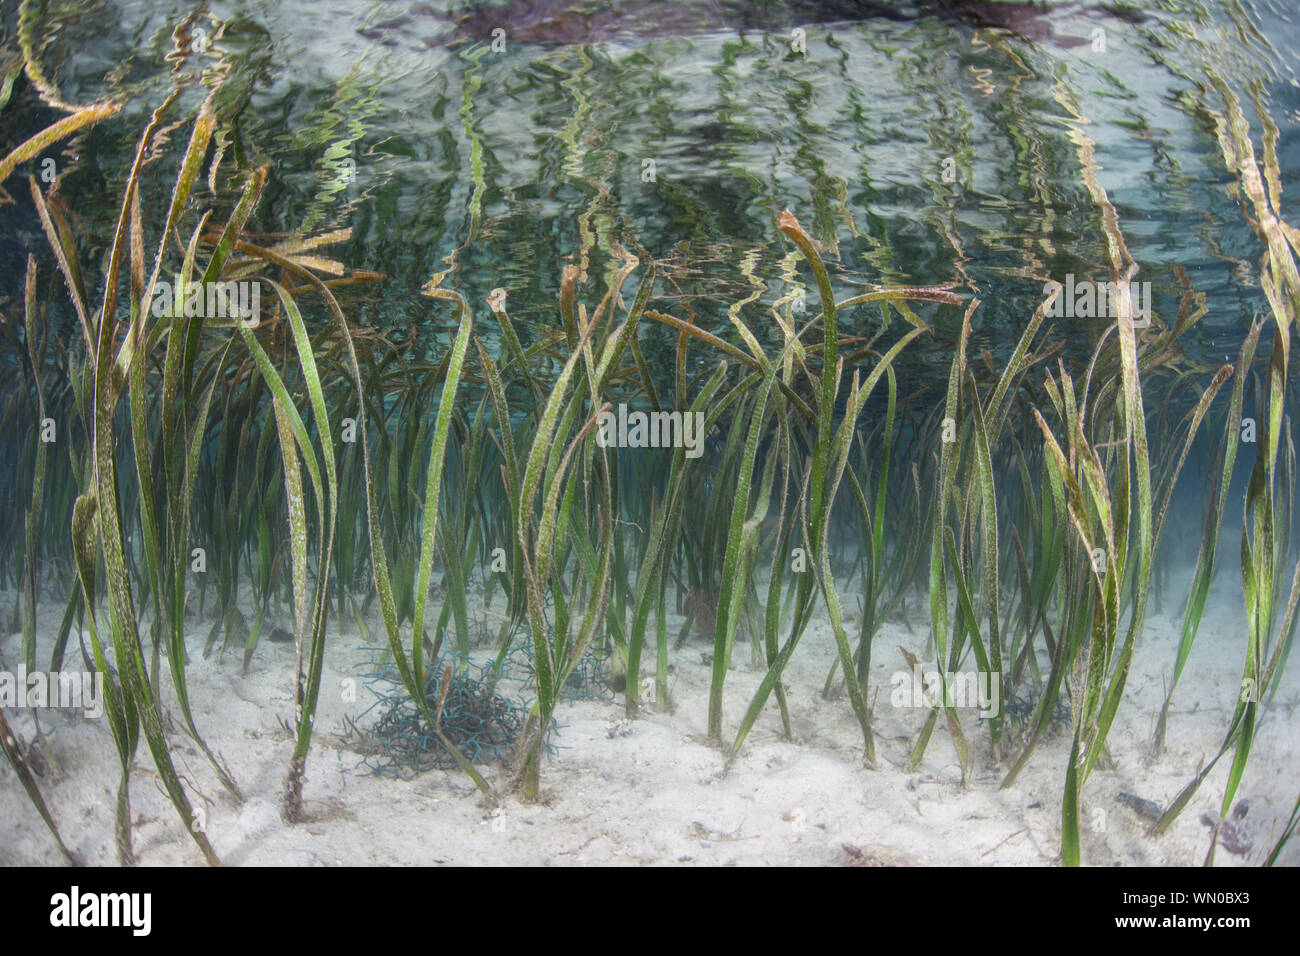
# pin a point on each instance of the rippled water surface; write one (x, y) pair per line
(920, 143)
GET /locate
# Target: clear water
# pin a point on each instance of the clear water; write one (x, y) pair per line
(927, 143)
(920, 143)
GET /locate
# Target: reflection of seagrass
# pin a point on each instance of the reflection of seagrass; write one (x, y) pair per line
(481, 723)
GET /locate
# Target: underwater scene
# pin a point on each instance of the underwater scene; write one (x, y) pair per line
(597, 432)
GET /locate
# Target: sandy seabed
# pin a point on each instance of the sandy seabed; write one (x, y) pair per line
(652, 790)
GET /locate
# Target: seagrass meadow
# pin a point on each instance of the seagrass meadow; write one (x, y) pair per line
(649, 433)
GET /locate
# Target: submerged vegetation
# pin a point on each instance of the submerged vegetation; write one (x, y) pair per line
(204, 470)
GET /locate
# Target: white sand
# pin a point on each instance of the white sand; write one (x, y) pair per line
(652, 790)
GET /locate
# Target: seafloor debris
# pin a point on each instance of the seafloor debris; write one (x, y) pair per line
(1148, 809)
(877, 854)
(1235, 834)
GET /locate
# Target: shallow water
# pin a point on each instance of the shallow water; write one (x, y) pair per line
(921, 144)
(977, 146)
